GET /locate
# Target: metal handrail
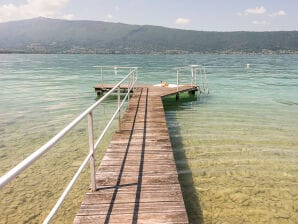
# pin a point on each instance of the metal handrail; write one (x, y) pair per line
(193, 74)
(194, 69)
(204, 82)
(115, 67)
(10, 175)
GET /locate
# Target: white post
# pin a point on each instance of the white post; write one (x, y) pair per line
(119, 107)
(202, 77)
(205, 80)
(129, 84)
(91, 149)
(135, 77)
(177, 79)
(195, 70)
(101, 76)
(192, 74)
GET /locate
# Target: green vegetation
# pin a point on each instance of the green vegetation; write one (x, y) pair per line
(42, 35)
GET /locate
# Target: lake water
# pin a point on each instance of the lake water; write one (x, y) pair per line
(236, 148)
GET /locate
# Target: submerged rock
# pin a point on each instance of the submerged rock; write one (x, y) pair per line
(282, 215)
(239, 198)
(3, 155)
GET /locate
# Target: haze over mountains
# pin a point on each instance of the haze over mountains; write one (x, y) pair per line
(43, 35)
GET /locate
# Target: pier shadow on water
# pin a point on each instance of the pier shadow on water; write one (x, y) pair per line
(190, 195)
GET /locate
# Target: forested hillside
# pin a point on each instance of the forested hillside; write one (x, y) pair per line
(42, 35)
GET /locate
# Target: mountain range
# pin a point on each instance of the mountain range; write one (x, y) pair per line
(44, 35)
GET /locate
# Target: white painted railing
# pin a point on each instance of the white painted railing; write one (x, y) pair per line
(108, 74)
(195, 70)
(131, 77)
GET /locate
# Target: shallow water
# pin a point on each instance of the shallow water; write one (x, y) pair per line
(236, 148)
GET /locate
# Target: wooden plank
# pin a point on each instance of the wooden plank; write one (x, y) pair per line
(145, 207)
(155, 90)
(137, 179)
(165, 218)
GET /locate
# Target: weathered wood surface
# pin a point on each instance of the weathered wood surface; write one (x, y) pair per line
(155, 90)
(137, 179)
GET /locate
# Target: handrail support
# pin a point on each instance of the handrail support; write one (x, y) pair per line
(119, 112)
(177, 80)
(91, 150)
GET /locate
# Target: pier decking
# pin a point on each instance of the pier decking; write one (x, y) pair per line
(157, 90)
(137, 180)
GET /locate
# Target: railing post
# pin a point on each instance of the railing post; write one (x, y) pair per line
(202, 79)
(192, 74)
(129, 85)
(195, 71)
(133, 79)
(118, 93)
(136, 76)
(101, 76)
(177, 79)
(91, 148)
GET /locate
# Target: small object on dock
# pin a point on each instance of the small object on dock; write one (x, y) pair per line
(164, 84)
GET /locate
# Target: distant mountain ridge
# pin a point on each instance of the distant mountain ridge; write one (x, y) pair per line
(43, 35)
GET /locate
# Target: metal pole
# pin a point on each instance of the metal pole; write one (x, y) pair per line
(119, 107)
(101, 76)
(195, 77)
(135, 74)
(91, 149)
(177, 79)
(206, 83)
(192, 74)
(134, 78)
(129, 84)
(202, 77)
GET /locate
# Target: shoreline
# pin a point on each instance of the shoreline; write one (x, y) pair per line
(156, 53)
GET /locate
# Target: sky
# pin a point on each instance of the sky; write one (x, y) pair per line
(206, 15)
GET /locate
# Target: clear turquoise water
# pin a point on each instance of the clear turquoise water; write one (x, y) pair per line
(236, 148)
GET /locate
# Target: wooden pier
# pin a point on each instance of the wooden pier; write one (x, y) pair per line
(137, 180)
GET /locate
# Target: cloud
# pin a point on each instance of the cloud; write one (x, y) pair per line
(279, 13)
(257, 10)
(30, 9)
(261, 23)
(182, 21)
(68, 16)
(110, 16)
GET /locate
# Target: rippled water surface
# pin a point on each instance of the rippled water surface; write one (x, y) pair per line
(236, 148)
